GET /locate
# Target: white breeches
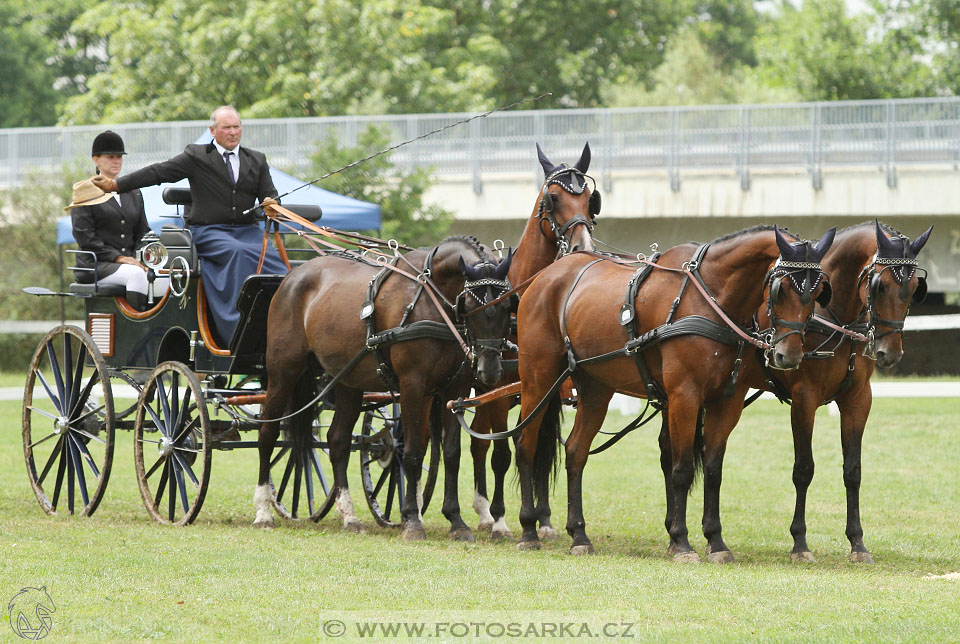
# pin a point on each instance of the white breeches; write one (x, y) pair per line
(135, 279)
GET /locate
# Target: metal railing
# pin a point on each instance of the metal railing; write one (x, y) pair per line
(810, 136)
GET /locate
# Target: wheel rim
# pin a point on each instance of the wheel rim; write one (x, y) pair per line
(68, 423)
(172, 444)
(301, 477)
(381, 465)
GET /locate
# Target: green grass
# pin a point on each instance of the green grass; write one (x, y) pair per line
(119, 577)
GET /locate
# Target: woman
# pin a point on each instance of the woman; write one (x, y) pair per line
(112, 226)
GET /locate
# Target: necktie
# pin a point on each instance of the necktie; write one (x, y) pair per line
(226, 159)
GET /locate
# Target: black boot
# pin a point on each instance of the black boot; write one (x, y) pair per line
(137, 300)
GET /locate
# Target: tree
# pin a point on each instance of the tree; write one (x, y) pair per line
(405, 217)
(27, 95)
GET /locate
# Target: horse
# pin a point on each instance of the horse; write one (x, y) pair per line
(561, 222)
(874, 273)
(335, 308)
(576, 308)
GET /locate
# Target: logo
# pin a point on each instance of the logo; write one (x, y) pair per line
(30, 611)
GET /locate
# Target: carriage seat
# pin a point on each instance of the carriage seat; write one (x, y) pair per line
(100, 290)
(179, 243)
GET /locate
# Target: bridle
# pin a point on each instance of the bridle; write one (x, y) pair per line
(483, 291)
(575, 184)
(902, 269)
(812, 274)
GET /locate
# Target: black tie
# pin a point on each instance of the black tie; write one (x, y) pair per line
(226, 159)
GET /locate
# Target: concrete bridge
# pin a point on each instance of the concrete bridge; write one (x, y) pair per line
(667, 175)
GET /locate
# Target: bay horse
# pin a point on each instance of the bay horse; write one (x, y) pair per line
(874, 273)
(561, 222)
(334, 308)
(657, 341)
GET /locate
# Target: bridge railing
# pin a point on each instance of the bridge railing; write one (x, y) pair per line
(809, 136)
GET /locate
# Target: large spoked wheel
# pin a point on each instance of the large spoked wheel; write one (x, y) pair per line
(68, 423)
(171, 447)
(381, 465)
(302, 476)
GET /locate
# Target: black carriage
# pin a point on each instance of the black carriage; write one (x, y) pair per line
(194, 393)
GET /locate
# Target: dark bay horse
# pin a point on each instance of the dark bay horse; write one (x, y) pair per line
(874, 274)
(561, 222)
(576, 310)
(321, 311)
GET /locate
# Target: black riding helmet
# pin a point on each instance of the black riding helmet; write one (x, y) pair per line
(108, 142)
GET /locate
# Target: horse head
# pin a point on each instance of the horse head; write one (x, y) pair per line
(487, 330)
(889, 285)
(795, 282)
(567, 203)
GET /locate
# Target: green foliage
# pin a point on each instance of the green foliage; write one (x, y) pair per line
(27, 96)
(400, 195)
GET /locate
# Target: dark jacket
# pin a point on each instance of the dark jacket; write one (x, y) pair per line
(110, 230)
(215, 201)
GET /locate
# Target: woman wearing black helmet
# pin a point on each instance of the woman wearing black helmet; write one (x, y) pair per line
(112, 225)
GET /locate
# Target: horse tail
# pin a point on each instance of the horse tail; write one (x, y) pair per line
(698, 447)
(305, 390)
(546, 460)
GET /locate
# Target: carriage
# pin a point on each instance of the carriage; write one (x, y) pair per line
(183, 392)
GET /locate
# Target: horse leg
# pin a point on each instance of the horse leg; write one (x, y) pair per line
(526, 448)
(683, 412)
(340, 439)
(415, 416)
(716, 422)
(666, 466)
(282, 385)
(854, 409)
(591, 410)
(803, 409)
(500, 463)
(478, 450)
(459, 531)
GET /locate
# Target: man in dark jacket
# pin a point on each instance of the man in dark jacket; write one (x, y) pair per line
(225, 180)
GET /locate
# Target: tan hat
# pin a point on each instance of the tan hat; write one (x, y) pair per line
(86, 193)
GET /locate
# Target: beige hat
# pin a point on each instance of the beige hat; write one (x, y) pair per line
(86, 193)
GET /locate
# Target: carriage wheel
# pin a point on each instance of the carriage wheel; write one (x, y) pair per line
(295, 464)
(381, 465)
(65, 427)
(171, 447)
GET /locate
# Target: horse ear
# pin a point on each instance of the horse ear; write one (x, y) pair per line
(885, 247)
(786, 248)
(824, 244)
(504, 266)
(469, 273)
(545, 163)
(583, 163)
(919, 242)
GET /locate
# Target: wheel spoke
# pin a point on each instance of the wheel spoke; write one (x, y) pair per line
(298, 474)
(77, 378)
(182, 487)
(47, 437)
(164, 405)
(171, 493)
(88, 435)
(67, 371)
(391, 488)
(180, 416)
(52, 396)
(186, 468)
(190, 426)
(320, 475)
(308, 479)
(87, 456)
(68, 452)
(283, 450)
(156, 419)
(154, 469)
(84, 396)
(286, 477)
(43, 413)
(163, 482)
(53, 457)
(174, 401)
(88, 414)
(78, 470)
(401, 484)
(60, 470)
(380, 482)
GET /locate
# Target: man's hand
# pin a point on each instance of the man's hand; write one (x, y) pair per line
(268, 202)
(105, 184)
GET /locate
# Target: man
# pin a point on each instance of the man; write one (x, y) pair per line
(225, 180)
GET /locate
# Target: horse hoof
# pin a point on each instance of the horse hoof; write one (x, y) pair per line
(485, 526)
(803, 557)
(263, 524)
(673, 549)
(547, 533)
(500, 535)
(686, 557)
(462, 534)
(528, 545)
(354, 526)
(721, 557)
(861, 557)
(582, 550)
(413, 534)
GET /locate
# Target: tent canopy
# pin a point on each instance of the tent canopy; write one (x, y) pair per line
(340, 212)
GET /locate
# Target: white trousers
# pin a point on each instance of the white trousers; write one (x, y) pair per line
(135, 279)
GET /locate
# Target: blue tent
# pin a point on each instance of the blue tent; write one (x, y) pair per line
(342, 213)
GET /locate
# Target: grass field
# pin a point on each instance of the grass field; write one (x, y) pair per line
(119, 577)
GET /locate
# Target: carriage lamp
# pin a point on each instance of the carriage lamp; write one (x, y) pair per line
(152, 254)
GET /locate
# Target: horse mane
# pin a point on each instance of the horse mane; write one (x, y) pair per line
(759, 228)
(469, 241)
(886, 228)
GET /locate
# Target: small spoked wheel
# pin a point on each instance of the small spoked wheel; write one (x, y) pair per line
(381, 465)
(302, 476)
(171, 446)
(68, 423)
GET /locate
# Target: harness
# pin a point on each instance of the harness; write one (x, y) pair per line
(573, 181)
